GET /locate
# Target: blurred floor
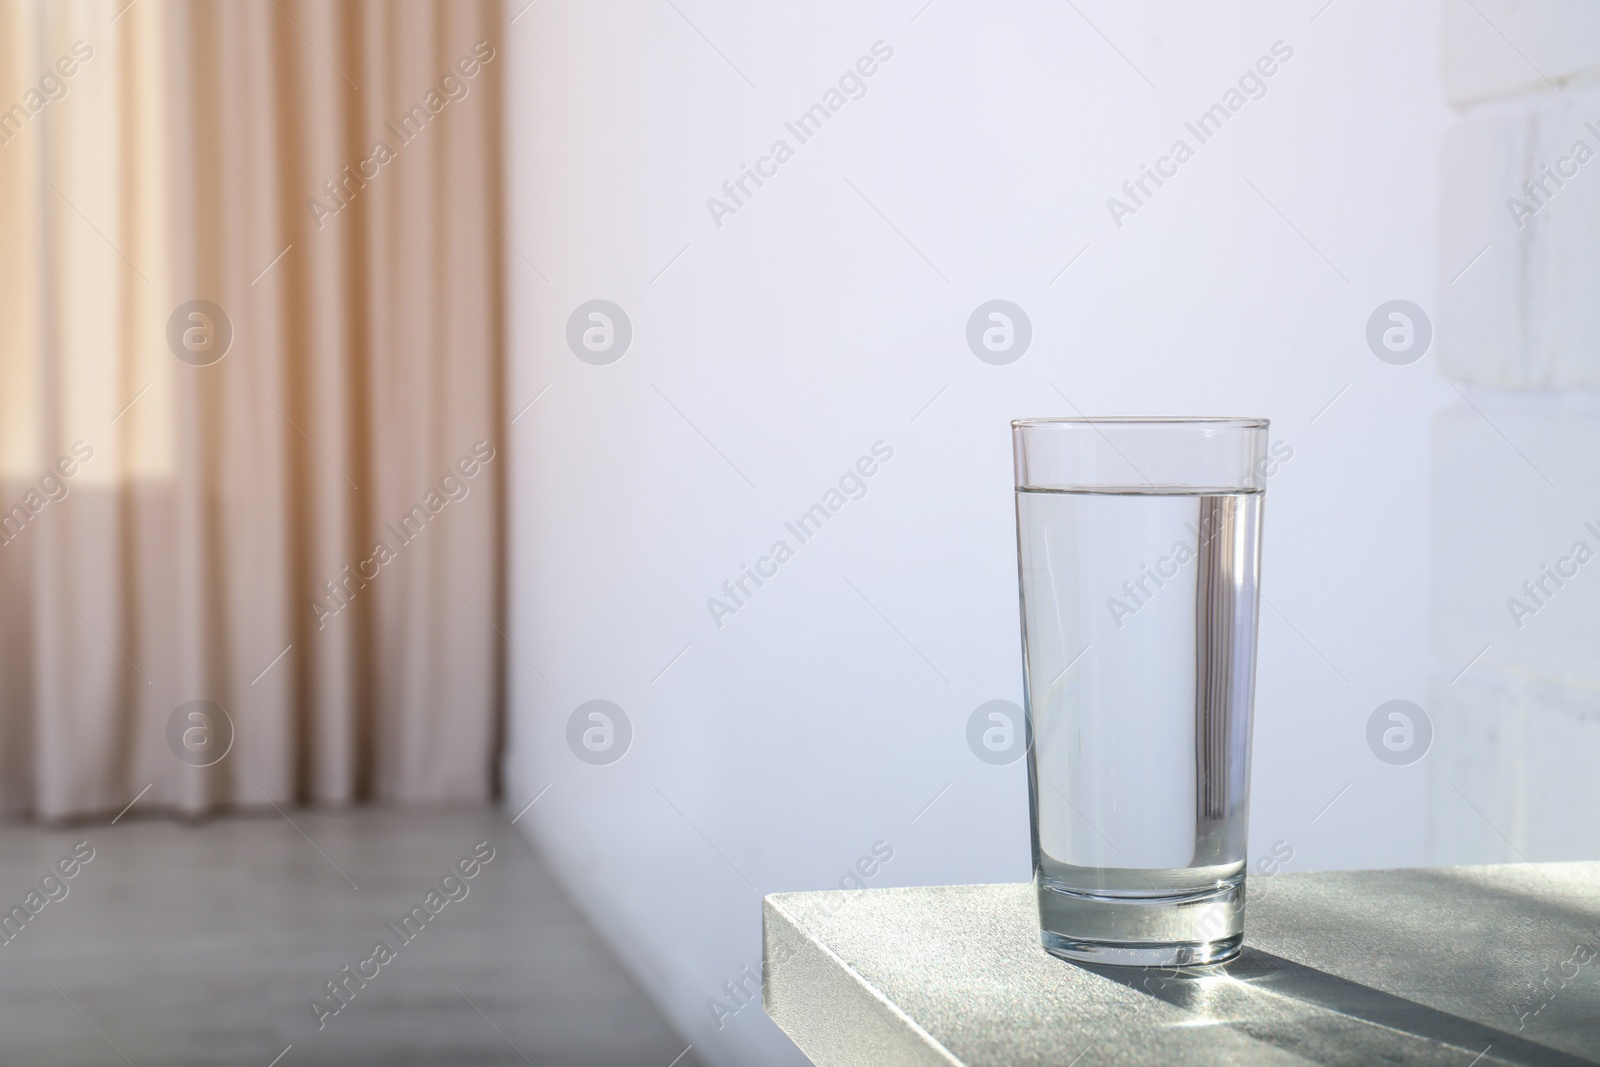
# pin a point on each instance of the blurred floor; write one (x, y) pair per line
(205, 944)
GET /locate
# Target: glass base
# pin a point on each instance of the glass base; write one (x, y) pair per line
(1146, 930)
(1151, 954)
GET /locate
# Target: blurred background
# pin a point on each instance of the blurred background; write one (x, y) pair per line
(402, 405)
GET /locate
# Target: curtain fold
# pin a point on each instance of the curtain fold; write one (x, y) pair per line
(303, 531)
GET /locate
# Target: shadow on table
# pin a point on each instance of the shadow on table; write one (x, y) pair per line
(1330, 1019)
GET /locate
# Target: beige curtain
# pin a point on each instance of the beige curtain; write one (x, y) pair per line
(303, 532)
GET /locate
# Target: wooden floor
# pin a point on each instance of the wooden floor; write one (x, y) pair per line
(205, 944)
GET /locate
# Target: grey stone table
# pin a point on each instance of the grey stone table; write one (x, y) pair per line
(1468, 966)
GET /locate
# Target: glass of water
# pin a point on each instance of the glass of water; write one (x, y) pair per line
(1138, 553)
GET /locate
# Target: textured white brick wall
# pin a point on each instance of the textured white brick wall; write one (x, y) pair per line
(1513, 771)
(1497, 523)
(1519, 281)
(1501, 48)
(1515, 585)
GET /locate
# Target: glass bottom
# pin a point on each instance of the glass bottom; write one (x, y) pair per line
(1146, 930)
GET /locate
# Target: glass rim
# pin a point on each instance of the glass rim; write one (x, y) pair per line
(1235, 421)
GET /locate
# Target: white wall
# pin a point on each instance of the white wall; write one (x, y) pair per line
(826, 313)
(1516, 487)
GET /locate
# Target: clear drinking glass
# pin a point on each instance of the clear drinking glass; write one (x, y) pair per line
(1138, 553)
